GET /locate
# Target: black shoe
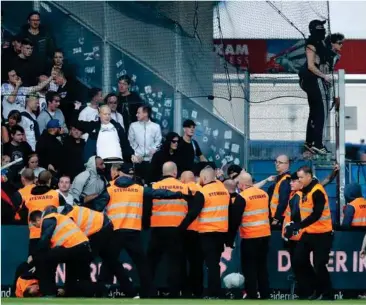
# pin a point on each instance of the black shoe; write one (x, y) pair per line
(309, 147)
(321, 150)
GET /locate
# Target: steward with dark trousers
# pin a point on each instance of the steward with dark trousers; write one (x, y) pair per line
(280, 196)
(62, 242)
(213, 227)
(252, 215)
(166, 233)
(317, 238)
(38, 198)
(99, 229)
(125, 209)
(192, 277)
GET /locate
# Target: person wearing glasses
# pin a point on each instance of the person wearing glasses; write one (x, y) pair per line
(315, 80)
(112, 101)
(282, 189)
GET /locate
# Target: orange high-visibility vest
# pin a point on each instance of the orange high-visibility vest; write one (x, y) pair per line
(22, 285)
(359, 218)
(276, 195)
(40, 202)
(287, 218)
(169, 212)
(87, 220)
(324, 224)
(214, 216)
(125, 206)
(194, 187)
(24, 192)
(66, 234)
(255, 220)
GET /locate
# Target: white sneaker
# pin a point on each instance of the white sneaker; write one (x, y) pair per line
(136, 297)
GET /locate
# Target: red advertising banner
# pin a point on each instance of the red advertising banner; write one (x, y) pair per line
(284, 55)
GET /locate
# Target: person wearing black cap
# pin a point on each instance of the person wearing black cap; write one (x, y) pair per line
(315, 81)
(188, 149)
(128, 205)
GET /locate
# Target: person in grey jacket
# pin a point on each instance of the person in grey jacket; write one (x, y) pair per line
(52, 112)
(89, 184)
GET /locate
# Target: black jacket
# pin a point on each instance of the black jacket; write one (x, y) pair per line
(74, 152)
(49, 150)
(93, 128)
(127, 106)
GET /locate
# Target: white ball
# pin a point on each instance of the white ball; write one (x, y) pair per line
(233, 280)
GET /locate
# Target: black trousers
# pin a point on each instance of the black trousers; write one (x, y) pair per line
(315, 278)
(318, 99)
(167, 241)
(254, 253)
(129, 240)
(212, 247)
(192, 265)
(77, 260)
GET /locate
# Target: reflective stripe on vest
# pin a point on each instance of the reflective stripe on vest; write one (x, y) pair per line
(359, 217)
(255, 218)
(214, 216)
(276, 195)
(169, 212)
(125, 206)
(324, 223)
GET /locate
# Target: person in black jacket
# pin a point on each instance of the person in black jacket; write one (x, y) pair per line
(167, 152)
(49, 148)
(107, 139)
(128, 102)
(73, 152)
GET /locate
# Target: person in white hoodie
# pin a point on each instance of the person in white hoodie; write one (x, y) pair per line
(145, 138)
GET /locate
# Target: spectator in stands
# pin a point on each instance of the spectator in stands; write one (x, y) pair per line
(112, 100)
(188, 149)
(49, 148)
(14, 119)
(334, 42)
(107, 138)
(128, 102)
(9, 54)
(14, 94)
(90, 112)
(17, 148)
(42, 93)
(145, 139)
(74, 147)
(58, 63)
(64, 185)
(167, 152)
(52, 113)
(69, 94)
(355, 211)
(26, 66)
(29, 121)
(39, 36)
(33, 164)
(89, 184)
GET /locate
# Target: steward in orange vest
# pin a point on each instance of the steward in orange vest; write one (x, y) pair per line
(192, 281)
(128, 206)
(61, 242)
(26, 283)
(169, 218)
(281, 193)
(252, 215)
(317, 237)
(213, 224)
(39, 198)
(355, 211)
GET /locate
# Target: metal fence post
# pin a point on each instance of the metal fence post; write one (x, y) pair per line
(177, 94)
(341, 149)
(246, 119)
(106, 75)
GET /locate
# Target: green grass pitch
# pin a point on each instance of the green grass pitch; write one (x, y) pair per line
(59, 301)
